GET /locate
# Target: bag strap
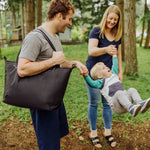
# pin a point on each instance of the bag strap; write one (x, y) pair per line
(46, 37)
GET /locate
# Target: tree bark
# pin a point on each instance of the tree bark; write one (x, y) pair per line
(120, 4)
(30, 16)
(6, 23)
(1, 33)
(13, 16)
(130, 38)
(143, 26)
(22, 20)
(39, 12)
(148, 36)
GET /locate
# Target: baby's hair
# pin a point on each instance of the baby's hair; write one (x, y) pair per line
(94, 71)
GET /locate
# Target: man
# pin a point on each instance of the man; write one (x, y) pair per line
(37, 56)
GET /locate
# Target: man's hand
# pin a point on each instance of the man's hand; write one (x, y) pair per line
(82, 68)
(58, 57)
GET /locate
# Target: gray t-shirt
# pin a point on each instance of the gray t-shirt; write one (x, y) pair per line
(36, 48)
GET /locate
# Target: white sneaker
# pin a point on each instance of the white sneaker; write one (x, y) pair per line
(134, 109)
(145, 105)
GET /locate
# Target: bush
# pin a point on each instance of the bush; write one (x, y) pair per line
(138, 39)
(76, 33)
(85, 35)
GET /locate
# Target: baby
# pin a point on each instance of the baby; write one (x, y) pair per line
(112, 89)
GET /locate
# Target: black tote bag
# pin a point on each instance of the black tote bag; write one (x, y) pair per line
(44, 91)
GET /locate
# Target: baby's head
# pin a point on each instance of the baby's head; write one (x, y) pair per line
(100, 71)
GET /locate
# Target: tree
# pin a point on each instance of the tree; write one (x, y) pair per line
(148, 32)
(13, 15)
(148, 36)
(120, 4)
(22, 19)
(6, 9)
(1, 35)
(1, 31)
(91, 14)
(130, 38)
(12, 5)
(30, 15)
(39, 12)
(143, 25)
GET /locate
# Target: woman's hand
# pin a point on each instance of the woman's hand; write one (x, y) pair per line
(111, 50)
(58, 57)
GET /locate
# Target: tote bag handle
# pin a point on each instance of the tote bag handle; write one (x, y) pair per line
(48, 40)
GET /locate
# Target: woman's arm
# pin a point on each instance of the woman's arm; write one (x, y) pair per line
(120, 74)
(94, 50)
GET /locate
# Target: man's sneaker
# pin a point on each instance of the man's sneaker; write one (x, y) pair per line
(145, 105)
(134, 109)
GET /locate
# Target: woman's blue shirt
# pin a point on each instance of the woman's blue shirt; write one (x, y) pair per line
(102, 42)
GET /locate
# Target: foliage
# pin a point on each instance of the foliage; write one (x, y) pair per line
(146, 17)
(76, 33)
(91, 14)
(15, 3)
(86, 35)
(76, 98)
(45, 5)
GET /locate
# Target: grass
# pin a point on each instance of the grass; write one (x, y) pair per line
(76, 98)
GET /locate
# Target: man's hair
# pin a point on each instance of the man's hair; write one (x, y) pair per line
(59, 6)
(94, 71)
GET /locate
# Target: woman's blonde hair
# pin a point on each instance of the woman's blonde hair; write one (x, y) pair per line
(94, 71)
(118, 28)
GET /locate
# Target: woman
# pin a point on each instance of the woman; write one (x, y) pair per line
(104, 41)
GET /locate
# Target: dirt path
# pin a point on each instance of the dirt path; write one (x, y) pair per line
(20, 136)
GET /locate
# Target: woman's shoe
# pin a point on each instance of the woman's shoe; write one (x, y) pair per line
(95, 142)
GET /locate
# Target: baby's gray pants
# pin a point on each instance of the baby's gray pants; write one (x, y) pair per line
(122, 100)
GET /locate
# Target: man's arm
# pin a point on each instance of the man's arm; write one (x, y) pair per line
(69, 64)
(29, 68)
(94, 83)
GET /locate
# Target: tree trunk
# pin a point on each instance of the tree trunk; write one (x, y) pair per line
(30, 16)
(39, 12)
(1, 33)
(130, 38)
(148, 36)
(22, 20)
(142, 34)
(120, 4)
(13, 16)
(6, 23)
(143, 26)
